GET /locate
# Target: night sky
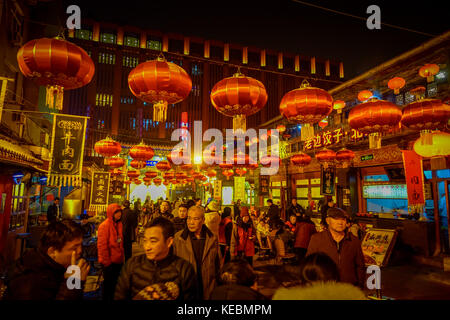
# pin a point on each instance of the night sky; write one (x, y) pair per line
(286, 25)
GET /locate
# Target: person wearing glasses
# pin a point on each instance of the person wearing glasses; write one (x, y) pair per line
(198, 245)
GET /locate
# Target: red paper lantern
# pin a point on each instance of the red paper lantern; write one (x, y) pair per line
(163, 166)
(267, 161)
(157, 181)
(115, 162)
(169, 175)
(338, 105)
(203, 178)
(211, 173)
(57, 64)
(301, 159)
(115, 172)
(439, 146)
(396, 84)
(141, 152)
(241, 171)
(228, 173)
(281, 128)
(429, 71)
(127, 182)
(365, 95)
(161, 83)
(225, 165)
(137, 164)
(306, 105)
(166, 182)
(238, 97)
(326, 156)
(137, 181)
(151, 174)
(345, 156)
(425, 114)
(173, 181)
(323, 123)
(189, 179)
(132, 174)
(373, 117)
(107, 147)
(186, 167)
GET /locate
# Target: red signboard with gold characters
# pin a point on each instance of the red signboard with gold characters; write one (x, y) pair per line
(412, 163)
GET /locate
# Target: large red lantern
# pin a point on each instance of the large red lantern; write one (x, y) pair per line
(169, 175)
(326, 157)
(163, 166)
(439, 146)
(137, 181)
(157, 181)
(211, 173)
(238, 97)
(142, 152)
(345, 156)
(137, 164)
(186, 167)
(107, 147)
(159, 82)
(115, 162)
(425, 114)
(181, 176)
(396, 84)
(132, 174)
(166, 182)
(115, 172)
(429, 71)
(306, 105)
(374, 117)
(241, 171)
(147, 179)
(228, 173)
(57, 64)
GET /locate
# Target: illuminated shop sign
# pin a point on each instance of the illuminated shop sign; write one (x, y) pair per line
(389, 191)
(331, 137)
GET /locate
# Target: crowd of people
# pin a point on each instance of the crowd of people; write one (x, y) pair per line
(194, 252)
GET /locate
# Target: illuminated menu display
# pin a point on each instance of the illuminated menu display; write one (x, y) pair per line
(389, 191)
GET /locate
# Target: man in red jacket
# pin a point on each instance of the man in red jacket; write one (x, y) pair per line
(110, 249)
(341, 246)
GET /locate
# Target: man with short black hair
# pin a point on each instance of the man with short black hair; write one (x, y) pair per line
(273, 213)
(53, 212)
(158, 274)
(41, 273)
(130, 223)
(341, 246)
(295, 208)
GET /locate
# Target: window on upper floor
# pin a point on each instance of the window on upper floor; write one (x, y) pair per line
(108, 38)
(83, 34)
(106, 58)
(154, 45)
(131, 41)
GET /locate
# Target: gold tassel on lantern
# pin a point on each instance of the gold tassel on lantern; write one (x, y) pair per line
(307, 132)
(54, 97)
(427, 137)
(160, 111)
(375, 140)
(239, 122)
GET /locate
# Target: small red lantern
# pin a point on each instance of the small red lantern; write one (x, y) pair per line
(241, 171)
(301, 159)
(186, 167)
(127, 182)
(326, 156)
(323, 123)
(203, 178)
(142, 152)
(151, 174)
(268, 161)
(114, 162)
(163, 166)
(345, 156)
(211, 173)
(396, 84)
(228, 173)
(166, 182)
(157, 181)
(365, 95)
(115, 172)
(147, 179)
(429, 71)
(137, 181)
(181, 176)
(281, 128)
(169, 175)
(137, 164)
(107, 147)
(338, 105)
(132, 174)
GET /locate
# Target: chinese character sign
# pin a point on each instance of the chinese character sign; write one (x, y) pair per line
(218, 190)
(328, 181)
(239, 188)
(332, 137)
(67, 150)
(100, 190)
(264, 185)
(412, 163)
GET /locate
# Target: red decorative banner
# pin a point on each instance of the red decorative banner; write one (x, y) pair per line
(412, 163)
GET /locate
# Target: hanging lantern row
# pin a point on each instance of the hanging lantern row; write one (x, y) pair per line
(107, 147)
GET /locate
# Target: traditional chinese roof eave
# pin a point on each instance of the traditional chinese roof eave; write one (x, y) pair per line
(13, 152)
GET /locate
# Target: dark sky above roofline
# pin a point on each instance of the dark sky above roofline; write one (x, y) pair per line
(285, 25)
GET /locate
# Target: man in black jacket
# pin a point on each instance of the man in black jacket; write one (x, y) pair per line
(158, 274)
(273, 213)
(295, 209)
(129, 223)
(41, 274)
(53, 212)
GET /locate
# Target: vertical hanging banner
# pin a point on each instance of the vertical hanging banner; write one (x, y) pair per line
(239, 188)
(327, 181)
(412, 163)
(67, 150)
(217, 190)
(100, 190)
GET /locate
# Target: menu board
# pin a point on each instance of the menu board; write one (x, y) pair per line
(386, 191)
(377, 246)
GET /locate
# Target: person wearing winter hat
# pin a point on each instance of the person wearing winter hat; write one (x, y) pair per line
(110, 249)
(212, 217)
(242, 238)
